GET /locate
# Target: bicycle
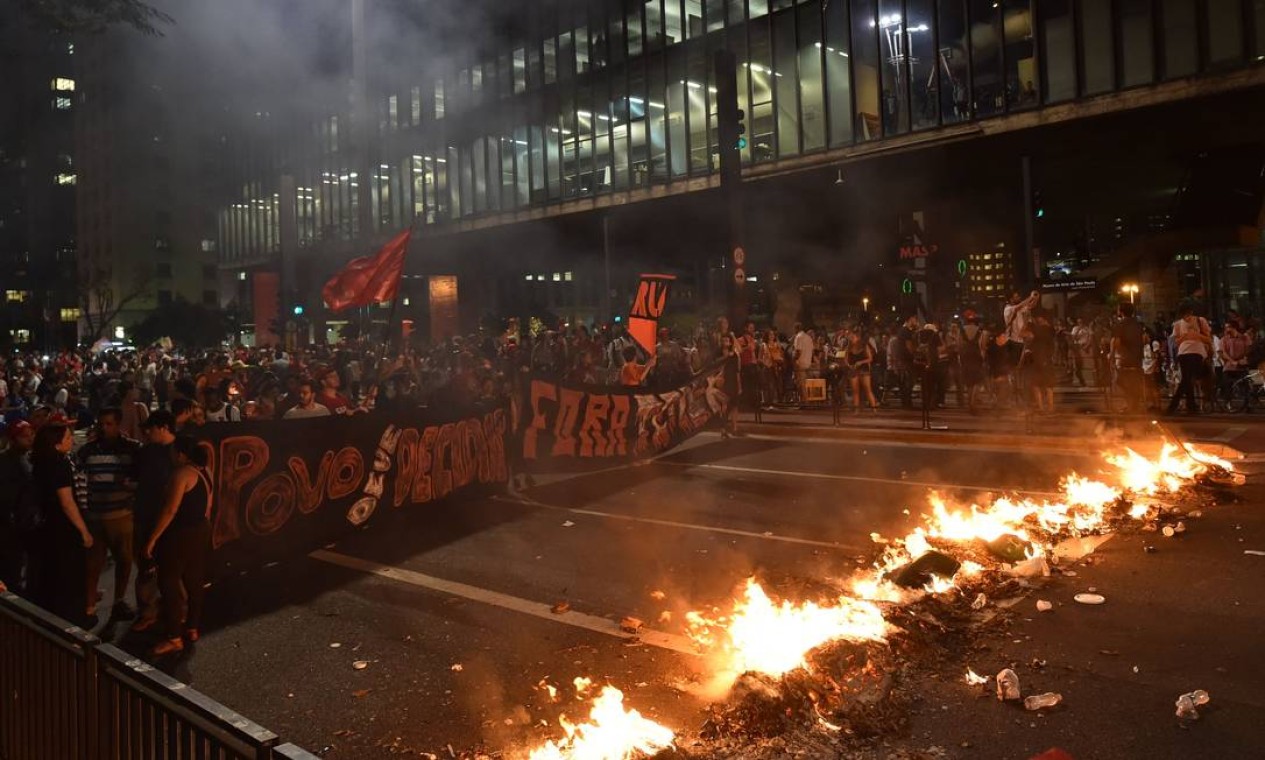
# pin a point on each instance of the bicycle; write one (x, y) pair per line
(1246, 392)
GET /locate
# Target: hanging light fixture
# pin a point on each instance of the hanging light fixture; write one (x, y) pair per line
(839, 179)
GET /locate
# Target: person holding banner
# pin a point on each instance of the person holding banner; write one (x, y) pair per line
(633, 373)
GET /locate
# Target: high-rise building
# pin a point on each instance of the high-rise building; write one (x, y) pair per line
(150, 136)
(575, 107)
(38, 175)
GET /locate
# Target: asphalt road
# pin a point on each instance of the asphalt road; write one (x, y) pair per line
(449, 606)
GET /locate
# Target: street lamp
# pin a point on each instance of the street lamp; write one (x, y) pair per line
(1131, 289)
(865, 303)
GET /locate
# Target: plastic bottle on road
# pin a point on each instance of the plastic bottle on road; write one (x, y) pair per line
(1008, 685)
(1041, 701)
(1187, 703)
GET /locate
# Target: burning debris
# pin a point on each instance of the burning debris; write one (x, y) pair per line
(612, 732)
(800, 673)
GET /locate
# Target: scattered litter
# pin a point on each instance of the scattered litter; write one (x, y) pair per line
(1109, 652)
(1135, 669)
(335, 645)
(560, 608)
(665, 617)
(631, 625)
(1042, 701)
(1090, 598)
(1009, 548)
(1169, 531)
(1187, 704)
(358, 693)
(918, 573)
(658, 596)
(975, 679)
(568, 524)
(1037, 567)
(1070, 573)
(1149, 549)
(1044, 606)
(360, 664)
(457, 667)
(1254, 552)
(980, 602)
(1008, 685)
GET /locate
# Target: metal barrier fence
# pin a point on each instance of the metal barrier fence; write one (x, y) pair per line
(65, 694)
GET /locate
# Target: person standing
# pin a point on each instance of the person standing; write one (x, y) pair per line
(732, 378)
(802, 347)
(307, 406)
(1127, 341)
(748, 345)
(153, 470)
(330, 396)
(63, 537)
(18, 504)
(1193, 345)
(1082, 350)
(107, 464)
(181, 544)
(1017, 314)
(858, 358)
(134, 411)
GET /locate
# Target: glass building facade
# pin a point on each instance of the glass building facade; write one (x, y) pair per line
(601, 97)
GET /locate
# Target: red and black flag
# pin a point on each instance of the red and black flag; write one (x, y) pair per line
(369, 279)
(647, 307)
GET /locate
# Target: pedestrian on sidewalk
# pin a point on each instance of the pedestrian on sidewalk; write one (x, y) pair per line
(19, 504)
(1193, 345)
(732, 379)
(1082, 349)
(802, 348)
(1127, 341)
(858, 360)
(1233, 352)
(905, 344)
(181, 545)
(971, 359)
(107, 464)
(153, 467)
(59, 558)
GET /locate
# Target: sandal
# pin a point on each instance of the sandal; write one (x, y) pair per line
(168, 646)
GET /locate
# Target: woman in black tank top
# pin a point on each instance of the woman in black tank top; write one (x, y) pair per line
(181, 543)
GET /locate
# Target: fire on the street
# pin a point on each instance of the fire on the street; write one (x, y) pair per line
(762, 636)
(1013, 536)
(613, 732)
(771, 638)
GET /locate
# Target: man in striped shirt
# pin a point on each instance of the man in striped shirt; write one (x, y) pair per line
(107, 467)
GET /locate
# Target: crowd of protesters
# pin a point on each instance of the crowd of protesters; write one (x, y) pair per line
(132, 486)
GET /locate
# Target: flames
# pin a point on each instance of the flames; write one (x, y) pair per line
(613, 732)
(771, 637)
(762, 636)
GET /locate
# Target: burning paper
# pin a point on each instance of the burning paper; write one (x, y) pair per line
(611, 733)
(762, 636)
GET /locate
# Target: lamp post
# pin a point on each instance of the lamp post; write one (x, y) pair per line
(1131, 289)
(865, 303)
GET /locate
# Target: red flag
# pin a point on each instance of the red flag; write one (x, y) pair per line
(369, 279)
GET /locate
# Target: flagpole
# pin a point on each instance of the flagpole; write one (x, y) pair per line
(395, 302)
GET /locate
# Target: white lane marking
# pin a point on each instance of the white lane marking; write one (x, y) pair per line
(505, 601)
(859, 478)
(676, 524)
(1229, 435)
(880, 443)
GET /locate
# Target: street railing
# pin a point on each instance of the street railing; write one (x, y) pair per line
(66, 694)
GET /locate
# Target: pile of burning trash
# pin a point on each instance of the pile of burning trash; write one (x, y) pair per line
(813, 675)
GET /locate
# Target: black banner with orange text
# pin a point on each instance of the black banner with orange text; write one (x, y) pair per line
(291, 486)
(568, 427)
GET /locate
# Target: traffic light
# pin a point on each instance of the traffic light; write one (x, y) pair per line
(298, 310)
(907, 287)
(961, 267)
(1038, 208)
(742, 129)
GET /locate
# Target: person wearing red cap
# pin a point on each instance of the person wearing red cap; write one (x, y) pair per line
(18, 503)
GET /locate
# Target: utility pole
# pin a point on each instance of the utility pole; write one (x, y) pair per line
(730, 135)
(1031, 265)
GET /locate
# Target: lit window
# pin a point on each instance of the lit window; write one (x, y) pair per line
(566, 276)
(527, 277)
(406, 302)
(208, 246)
(61, 104)
(20, 336)
(557, 277)
(15, 296)
(62, 84)
(67, 179)
(241, 276)
(540, 278)
(120, 333)
(70, 315)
